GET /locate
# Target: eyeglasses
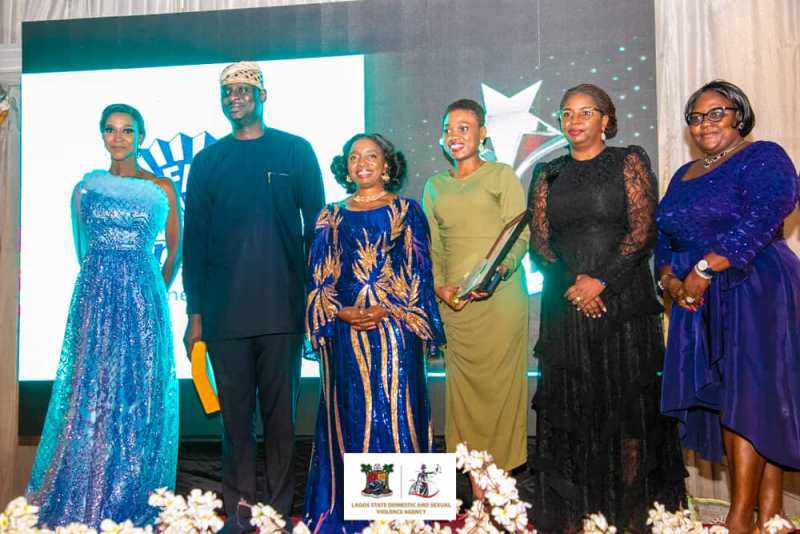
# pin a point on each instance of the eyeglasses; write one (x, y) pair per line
(583, 114)
(237, 90)
(695, 118)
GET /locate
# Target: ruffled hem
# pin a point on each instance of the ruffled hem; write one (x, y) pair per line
(589, 404)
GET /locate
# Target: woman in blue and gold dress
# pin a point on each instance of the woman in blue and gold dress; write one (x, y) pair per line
(111, 433)
(371, 319)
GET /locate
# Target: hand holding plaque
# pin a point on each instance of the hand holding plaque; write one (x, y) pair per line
(485, 276)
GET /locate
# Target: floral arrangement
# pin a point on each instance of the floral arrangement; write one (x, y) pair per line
(681, 522)
(500, 510)
(500, 506)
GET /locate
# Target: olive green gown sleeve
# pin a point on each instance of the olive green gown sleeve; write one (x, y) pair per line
(512, 203)
(437, 252)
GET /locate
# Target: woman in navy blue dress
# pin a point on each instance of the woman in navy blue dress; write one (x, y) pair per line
(372, 318)
(733, 356)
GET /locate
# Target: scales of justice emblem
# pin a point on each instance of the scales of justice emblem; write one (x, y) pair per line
(377, 480)
(423, 486)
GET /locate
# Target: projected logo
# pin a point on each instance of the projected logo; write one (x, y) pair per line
(172, 159)
(519, 137)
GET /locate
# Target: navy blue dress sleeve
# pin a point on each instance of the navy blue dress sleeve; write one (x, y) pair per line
(195, 241)
(768, 186)
(310, 192)
(413, 298)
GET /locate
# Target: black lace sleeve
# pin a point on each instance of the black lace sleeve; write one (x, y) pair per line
(541, 253)
(641, 196)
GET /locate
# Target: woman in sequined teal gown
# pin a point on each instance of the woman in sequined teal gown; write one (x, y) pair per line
(111, 432)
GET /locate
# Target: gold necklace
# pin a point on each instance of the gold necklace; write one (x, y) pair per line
(708, 161)
(369, 198)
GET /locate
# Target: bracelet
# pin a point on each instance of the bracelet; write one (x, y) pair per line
(701, 273)
(602, 282)
(660, 282)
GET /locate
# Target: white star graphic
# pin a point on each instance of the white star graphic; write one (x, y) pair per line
(509, 118)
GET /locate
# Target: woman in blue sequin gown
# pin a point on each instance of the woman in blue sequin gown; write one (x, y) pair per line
(111, 432)
(733, 353)
(372, 319)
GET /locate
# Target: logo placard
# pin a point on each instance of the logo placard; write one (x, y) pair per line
(400, 486)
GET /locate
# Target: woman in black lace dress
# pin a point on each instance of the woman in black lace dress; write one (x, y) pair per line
(601, 443)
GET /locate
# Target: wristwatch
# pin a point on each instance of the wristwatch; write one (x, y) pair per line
(704, 269)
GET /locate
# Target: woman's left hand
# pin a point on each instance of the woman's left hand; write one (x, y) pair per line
(694, 287)
(584, 290)
(483, 295)
(372, 316)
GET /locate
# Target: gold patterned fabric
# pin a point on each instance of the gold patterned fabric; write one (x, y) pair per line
(374, 392)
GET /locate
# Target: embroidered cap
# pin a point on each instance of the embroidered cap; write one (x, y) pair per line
(246, 72)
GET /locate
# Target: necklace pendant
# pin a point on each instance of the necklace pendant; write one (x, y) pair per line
(709, 160)
(369, 198)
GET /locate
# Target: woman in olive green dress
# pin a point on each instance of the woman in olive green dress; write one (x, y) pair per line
(467, 206)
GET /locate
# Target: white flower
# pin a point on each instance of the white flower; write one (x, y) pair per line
(656, 513)
(680, 522)
(436, 528)
(462, 453)
(500, 515)
(521, 521)
(500, 494)
(379, 526)
(776, 524)
(596, 524)
(20, 516)
(265, 518)
(160, 497)
(196, 514)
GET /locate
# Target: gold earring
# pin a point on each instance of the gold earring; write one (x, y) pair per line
(385, 177)
(348, 178)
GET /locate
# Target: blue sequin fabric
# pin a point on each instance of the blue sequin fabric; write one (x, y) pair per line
(374, 394)
(111, 432)
(735, 362)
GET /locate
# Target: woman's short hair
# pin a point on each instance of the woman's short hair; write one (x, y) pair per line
(395, 161)
(602, 102)
(467, 104)
(745, 116)
(123, 108)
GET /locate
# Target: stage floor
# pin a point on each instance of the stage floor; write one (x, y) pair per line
(199, 466)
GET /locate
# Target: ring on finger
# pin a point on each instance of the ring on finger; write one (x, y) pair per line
(690, 299)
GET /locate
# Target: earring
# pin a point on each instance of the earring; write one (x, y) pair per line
(348, 178)
(603, 136)
(741, 126)
(385, 177)
(484, 152)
